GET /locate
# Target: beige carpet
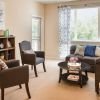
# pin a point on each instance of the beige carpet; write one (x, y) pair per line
(46, 87)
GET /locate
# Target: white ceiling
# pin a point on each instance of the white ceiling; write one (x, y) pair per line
(52, 1)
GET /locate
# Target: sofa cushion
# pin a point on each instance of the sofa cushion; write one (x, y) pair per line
(89, 51)
(91, 60)
(97, 51)
(80, 50)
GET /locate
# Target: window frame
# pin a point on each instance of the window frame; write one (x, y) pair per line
(98, 34)
(39, 27)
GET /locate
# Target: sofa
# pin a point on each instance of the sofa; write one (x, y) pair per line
(93, 60)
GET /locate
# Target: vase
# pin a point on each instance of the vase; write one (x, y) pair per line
(6, 33)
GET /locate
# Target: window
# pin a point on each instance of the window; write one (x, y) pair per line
(84, 24)
(36, 33)
(77, 24)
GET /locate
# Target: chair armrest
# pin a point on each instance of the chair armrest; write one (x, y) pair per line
(28, 58)
(14, 76)
(40, 54)
(12, 63)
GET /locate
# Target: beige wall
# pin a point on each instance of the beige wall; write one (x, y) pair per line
(51, 31)
(18, 19)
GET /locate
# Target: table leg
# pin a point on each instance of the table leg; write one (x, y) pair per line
(80, 78)
(86, 74)
(60, 74)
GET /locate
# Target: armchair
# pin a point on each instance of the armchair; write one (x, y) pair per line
(14, 76)
(28, 56)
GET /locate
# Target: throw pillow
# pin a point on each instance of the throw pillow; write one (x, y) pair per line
(90, 50)
(3, 65)
(97, 51)
(79, 50)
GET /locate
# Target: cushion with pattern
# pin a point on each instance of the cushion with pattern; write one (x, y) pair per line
(3, 65)
(79, 50)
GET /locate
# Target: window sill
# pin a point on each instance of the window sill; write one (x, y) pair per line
(85, 42)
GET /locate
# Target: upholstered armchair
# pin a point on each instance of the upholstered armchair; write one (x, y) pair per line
(14, 75)
(28, 56)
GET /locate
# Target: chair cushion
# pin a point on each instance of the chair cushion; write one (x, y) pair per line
(89, 50)
(3, 65)
(39, 60)
(91, 60)
(29, 51)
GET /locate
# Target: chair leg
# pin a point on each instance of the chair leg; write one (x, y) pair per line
(20, 86)
(44, 67)
(27, 90)
(32, 67)
(2, 93)
(35, 71)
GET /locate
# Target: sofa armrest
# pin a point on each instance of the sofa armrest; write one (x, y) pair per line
(72, 49)
(12, 63)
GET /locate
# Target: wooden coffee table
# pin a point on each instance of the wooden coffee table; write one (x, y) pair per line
(83, 77)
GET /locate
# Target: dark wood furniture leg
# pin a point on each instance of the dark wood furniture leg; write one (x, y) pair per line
(86, 74)
(35, 71)
(2, 93)
(60, 75)
(20, 86)
(27, 90)
(44, 67)
(97, 86)
(80, 78)
(32, 67)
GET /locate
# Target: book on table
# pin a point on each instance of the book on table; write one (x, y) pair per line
(74, 66)
(73, 77)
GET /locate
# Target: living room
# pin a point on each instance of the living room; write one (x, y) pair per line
(18, 20)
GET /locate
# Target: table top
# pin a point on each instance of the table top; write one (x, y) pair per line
(84, 66)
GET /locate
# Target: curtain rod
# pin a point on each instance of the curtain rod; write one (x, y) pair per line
(85, 5)
(78, 5)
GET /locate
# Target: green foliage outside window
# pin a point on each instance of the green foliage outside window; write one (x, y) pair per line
(85, 29)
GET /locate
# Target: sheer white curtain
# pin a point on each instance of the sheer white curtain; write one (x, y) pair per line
(64, 30)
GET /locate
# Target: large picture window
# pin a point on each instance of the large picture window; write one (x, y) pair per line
(77, 24)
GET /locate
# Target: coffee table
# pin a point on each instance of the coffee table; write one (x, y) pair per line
(82, 73)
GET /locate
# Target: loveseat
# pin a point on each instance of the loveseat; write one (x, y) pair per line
(91, 60)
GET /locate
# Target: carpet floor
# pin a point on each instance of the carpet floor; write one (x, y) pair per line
(46, 86)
